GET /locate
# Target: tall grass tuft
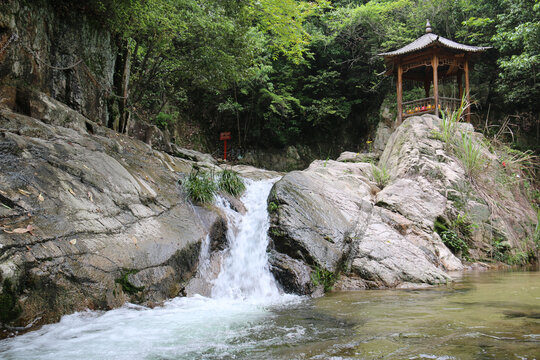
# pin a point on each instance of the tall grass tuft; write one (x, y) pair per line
(470, 154)
(231, 182)
(450, 119)
(381, 177)
(200, 187)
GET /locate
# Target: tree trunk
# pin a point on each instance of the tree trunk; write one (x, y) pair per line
(125, 88)
(237, 119)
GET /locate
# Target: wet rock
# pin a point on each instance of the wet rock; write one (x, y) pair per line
(218, 235)
(291, 158)
(294, 276)
(192, 155)
(236, 204)
(109, 221)
(253, 173)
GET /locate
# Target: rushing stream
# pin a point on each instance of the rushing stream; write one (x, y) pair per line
(493, 315)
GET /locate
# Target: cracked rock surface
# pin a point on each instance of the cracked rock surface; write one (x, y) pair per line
(108, 220)
(334, 218)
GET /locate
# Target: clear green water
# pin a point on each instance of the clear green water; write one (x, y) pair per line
(493, 315)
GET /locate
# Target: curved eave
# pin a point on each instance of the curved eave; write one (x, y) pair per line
(429, 40)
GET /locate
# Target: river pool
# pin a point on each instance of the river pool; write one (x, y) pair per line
(490, 315)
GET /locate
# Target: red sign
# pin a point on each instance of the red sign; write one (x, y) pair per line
(225, 135)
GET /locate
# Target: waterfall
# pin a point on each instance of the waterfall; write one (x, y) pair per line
(244, 273)
(222, 326)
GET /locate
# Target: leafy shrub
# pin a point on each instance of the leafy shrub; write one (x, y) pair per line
(380, 175)
(272, 207)
(321, 276)
(200, 186)
(501, 251)
(231, 182)
(452, 234)
(165, 121)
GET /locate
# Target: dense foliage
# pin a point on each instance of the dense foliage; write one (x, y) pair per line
(285, 72)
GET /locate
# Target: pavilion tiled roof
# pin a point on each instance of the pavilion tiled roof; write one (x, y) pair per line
(430, 39)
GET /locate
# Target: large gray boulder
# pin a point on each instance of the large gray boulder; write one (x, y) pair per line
(334, 217)
(494, 199)
(90, 218)
(327, 217)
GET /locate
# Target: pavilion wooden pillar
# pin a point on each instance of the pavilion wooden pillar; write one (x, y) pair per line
(427, 85)
(460, 84)
(400, 93)
(467, 93)
(435, 66)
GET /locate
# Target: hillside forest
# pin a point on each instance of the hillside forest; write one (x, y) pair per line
(282, 72)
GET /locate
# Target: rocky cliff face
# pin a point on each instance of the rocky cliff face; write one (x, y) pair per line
(334, 217)
(89, 218)
(66, 55)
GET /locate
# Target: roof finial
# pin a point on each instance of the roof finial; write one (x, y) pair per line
(428, 27)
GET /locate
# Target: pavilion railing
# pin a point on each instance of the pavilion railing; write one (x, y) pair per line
(427, 105)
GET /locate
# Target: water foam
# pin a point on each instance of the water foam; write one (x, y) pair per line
(244, 274)
(184, 327)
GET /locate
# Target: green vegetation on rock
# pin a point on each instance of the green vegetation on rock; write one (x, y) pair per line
(326, 278)
(455, 234)
(200, 186)
(380, 175)
(230, 182)
(9, 307)
(272, 207)
(127, 286)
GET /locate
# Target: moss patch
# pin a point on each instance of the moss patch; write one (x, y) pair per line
(127, 286)
(9, 308)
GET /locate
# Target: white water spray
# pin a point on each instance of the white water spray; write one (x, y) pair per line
(184, 328)
(244, 274)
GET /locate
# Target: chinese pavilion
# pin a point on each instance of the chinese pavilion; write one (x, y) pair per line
(428, 59)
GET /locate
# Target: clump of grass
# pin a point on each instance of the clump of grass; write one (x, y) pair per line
(449, 125)
(466, 149)
(381, 177)
(200, 186)
(470, 154)
(231, 182)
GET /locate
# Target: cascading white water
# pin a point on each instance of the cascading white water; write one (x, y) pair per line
(244, 274)
(184, 328)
